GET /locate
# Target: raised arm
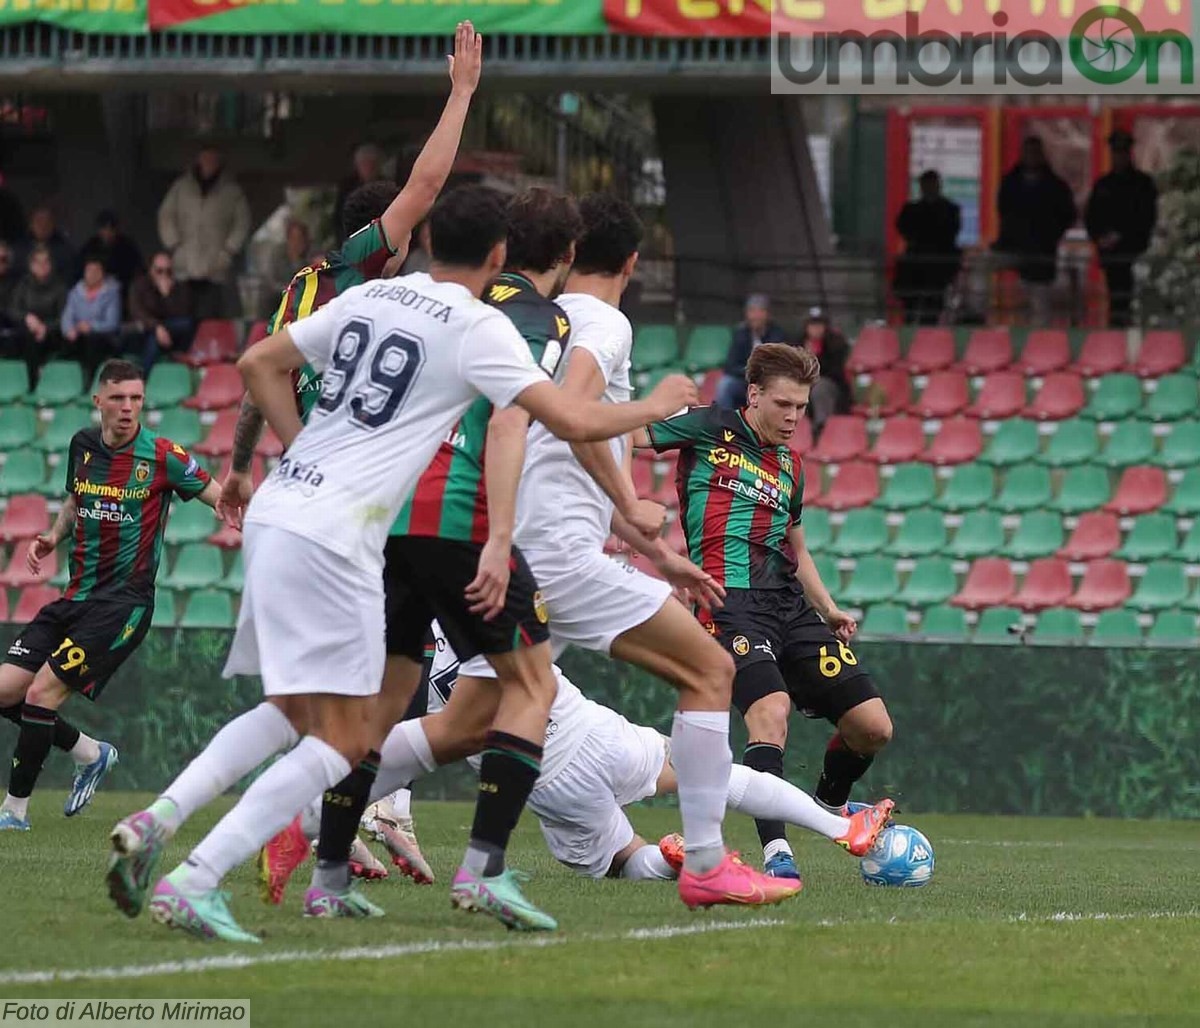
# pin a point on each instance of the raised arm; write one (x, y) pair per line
(572, 420)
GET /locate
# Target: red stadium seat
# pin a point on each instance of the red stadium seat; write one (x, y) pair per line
(812, 488)
(877, 346)
(1140, 490)
(257, 333)
(33, 598)
(1105, 584)
(643, 479)
(901, 440)
(226, 538)
(988, 349)
(959, 441)
(215, 342)
(1096, 535)
(219, 441)
(1046, 350)
(1060, 397)
(708, 386)
(989, 583)
(25, 517)
(3, 605)
(269, 445)
(1103, 353)
(932, 349)
(801, 441)
(220, 387)
(945, 395)
(856, 485)
(675, 537)
(844, 438)
(1048, 584)
(889, 393)
(1002, 396)
(1162, 352)
(17, 574)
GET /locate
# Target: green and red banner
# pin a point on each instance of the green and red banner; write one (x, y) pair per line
(116, 17)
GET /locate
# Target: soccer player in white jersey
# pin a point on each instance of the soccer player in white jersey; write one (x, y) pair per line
(565, 512)
(401, 361)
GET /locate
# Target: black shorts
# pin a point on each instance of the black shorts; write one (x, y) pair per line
(83, 641)
(425, 578)
(780, 644)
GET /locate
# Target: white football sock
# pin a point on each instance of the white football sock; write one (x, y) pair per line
(310, 819)
(19, 807)
(702, 758)
(276, 796)
(648, 864)
(758, 794)
(404, 757)
(402, 803)
(235, 751)
(86, 750)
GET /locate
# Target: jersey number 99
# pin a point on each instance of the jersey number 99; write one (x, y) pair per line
(395, 364)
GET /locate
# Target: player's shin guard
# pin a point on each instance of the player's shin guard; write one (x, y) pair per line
(33, 746)
(341, 810)
(843, 767)
(768, 758)
(508, 771)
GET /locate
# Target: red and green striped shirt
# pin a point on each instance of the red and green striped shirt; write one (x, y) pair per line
(450, 500)
(737, 497)
(123, 497)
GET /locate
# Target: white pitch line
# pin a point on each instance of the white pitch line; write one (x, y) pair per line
(1066, 916)
(238, 961)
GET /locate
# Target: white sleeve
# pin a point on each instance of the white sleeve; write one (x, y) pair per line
(495, 360)
(607, 344)
(316, 336)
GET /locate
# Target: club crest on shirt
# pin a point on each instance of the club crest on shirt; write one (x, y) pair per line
(728, 436)
(741, 645)
(141, 471)
(785, 462)
(539, 607)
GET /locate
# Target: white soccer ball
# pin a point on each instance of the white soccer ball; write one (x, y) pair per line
(901, 856)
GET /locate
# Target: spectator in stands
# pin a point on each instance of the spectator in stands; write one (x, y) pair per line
(44, 232)
(35, 308)
(91, 320)
(758, 328)
(931, 259)
(295, 254)
(1036, 209)
(161, 307)
(1120, 216)
(831, 392)
(368, 167)
(203, 221)
(121, 256)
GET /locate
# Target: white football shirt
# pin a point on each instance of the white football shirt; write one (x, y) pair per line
(401, 360)
(557, 497)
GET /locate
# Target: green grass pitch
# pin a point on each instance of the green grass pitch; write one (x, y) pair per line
(1027, 923)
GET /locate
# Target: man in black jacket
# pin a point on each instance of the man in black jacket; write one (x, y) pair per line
(931, 259)
(1120, 217)
(758, 328)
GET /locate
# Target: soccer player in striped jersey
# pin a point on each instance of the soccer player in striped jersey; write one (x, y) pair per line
(740, 492)
(120, 479)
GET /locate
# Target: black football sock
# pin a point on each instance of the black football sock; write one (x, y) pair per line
(843, 767)
(508, 771)
(66, 735)
(766, 757)
(341, 810)
(33, 744)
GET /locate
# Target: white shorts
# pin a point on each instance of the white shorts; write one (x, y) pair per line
(579, 809)
(310, 622)
(591, 600)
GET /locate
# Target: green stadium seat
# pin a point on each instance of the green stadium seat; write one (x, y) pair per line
(24, 472)
(654, 346)
(67, 421)
(932, 581)
(1185, 498)
(1117, 628)
(1086, 487)
(885, 619)
(1116, 397)
(235, 578)
(1151, 538)
(981, 534)
(63, 575)
(18, 426)
(647, 380)
(1058, 624)
(1026, 487)
(863, 531)
(707, 347)
(1181, 447)
(165, 614)
(60, 382)
(817, 530)
(1132, 442)
(1189, 549)
(827, 568)
(912, 485)
(970, 487)
(1074, 442)
(1173, 626)
(208, 608)
(181, 426)
(923, 532)
(1164, 585)
(873, 580)
(1193, 601)
(945, 623)
(198, 566)
(168, 386)
(994, 624)
(1040, 534)
(1176, 397)
(1015, 442)
(190, 522)
(14, 381)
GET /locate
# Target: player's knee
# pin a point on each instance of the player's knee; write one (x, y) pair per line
(46, 691)
(869, 734)
(713, 680)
